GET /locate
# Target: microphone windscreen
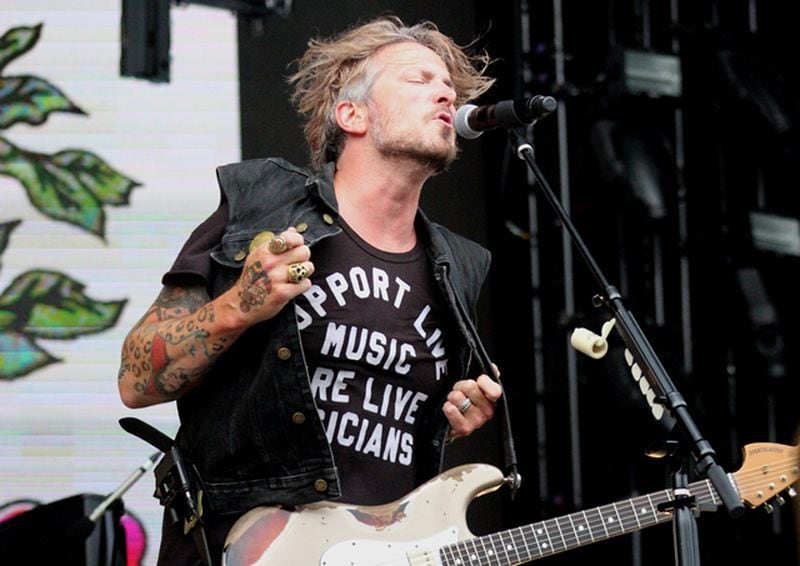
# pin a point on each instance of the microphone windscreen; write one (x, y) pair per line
(461, 122)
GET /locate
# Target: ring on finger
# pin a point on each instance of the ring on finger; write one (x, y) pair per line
(297, 272)
(277, 245)
(464, 406)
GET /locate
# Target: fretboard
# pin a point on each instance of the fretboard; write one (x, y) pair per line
(552, 536)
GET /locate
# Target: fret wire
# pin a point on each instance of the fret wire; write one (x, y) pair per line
(574, 530)
(536, 539)
(588, 525)
(561, 533)
(516, 544)
(546, 525)
(511, 546)
(602, 522)
(493, 537)
(643, 512)
(653, 508)
(474, 552)
(635, 513)
(619, 519)
(483, 546)
(443, 555)
(528, 554)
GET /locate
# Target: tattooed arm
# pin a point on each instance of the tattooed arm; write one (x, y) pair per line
(179, 338)
(170, 349)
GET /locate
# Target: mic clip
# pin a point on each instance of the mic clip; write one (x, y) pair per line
(179, 488)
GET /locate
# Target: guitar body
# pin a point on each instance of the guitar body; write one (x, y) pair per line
(407, 531)
(428, 526)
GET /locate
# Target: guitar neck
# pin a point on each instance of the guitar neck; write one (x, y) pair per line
(552, 536)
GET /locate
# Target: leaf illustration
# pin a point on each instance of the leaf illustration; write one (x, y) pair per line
(20, 356)
(70, 186)
(7, 318)
(5, 233)
(52, 305)
(17, 41)
(31, 99)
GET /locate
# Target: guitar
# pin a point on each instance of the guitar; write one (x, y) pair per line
(428, 526)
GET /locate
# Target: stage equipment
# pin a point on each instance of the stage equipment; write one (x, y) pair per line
(144, 38)
(81, 530)
(178, 485)
(690, 447)
(145, 31)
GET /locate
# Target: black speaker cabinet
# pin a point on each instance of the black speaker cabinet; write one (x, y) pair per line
(61, 533)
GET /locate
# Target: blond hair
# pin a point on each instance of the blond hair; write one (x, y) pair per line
(337, 69)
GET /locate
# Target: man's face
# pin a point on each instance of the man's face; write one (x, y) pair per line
(411, 106)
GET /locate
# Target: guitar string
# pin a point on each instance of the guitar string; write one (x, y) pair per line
(624, 516)
(570, 539)
(518, 540)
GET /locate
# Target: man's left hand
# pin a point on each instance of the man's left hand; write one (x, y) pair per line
(470, 404)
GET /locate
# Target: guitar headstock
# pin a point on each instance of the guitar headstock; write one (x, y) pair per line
(768, 470)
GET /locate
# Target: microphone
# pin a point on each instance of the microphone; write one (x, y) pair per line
(471, 121)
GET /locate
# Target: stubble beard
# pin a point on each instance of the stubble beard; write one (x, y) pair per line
(433, 157)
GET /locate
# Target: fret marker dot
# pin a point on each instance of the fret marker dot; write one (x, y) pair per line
(473, 556)
(539, 531)
(510, 547)
(610, 519)
(580, 527)
(491, 552)
(544, 545)
(643, 511)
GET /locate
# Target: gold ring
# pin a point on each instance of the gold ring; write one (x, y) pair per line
(260, 238)
(277, 245)
(297, 272)
(464, 406)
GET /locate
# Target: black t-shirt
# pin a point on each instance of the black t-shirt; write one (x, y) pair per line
(375, 337)
(373, 333)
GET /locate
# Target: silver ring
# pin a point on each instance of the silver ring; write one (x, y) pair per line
(464, 406)
(297, 272)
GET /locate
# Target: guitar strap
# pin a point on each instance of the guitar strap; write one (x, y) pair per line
(513, 477)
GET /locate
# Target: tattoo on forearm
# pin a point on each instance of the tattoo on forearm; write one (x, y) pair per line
(256, 285)
(171, 358)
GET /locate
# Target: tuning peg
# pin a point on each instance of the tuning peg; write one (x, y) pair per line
(779, 499)
(768, 507)
(791, 492)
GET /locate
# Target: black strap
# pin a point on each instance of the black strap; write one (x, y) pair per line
(513, 477)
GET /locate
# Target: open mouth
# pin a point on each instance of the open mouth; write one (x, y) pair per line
(445, 117)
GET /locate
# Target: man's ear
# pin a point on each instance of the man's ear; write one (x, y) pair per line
(351, 117)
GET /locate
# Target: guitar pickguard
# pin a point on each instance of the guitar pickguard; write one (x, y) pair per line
(362, 552)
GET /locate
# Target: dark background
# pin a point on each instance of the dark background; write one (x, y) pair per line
(661, 186)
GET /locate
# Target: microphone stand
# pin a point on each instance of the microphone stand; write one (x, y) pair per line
(685, 528)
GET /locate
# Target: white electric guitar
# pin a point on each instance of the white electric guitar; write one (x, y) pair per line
(428, 526)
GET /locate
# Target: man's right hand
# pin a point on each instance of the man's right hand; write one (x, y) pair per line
(264, 287)
(177, 341)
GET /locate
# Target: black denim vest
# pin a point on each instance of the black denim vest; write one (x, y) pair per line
(252, 429)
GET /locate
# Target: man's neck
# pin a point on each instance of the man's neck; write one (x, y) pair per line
(379, 201)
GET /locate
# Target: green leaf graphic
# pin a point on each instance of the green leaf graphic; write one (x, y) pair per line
(70, 186)
(5, 233)
(20, 356)
(31, 99)
(52, 305)
(17, 41)
(7, 318)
